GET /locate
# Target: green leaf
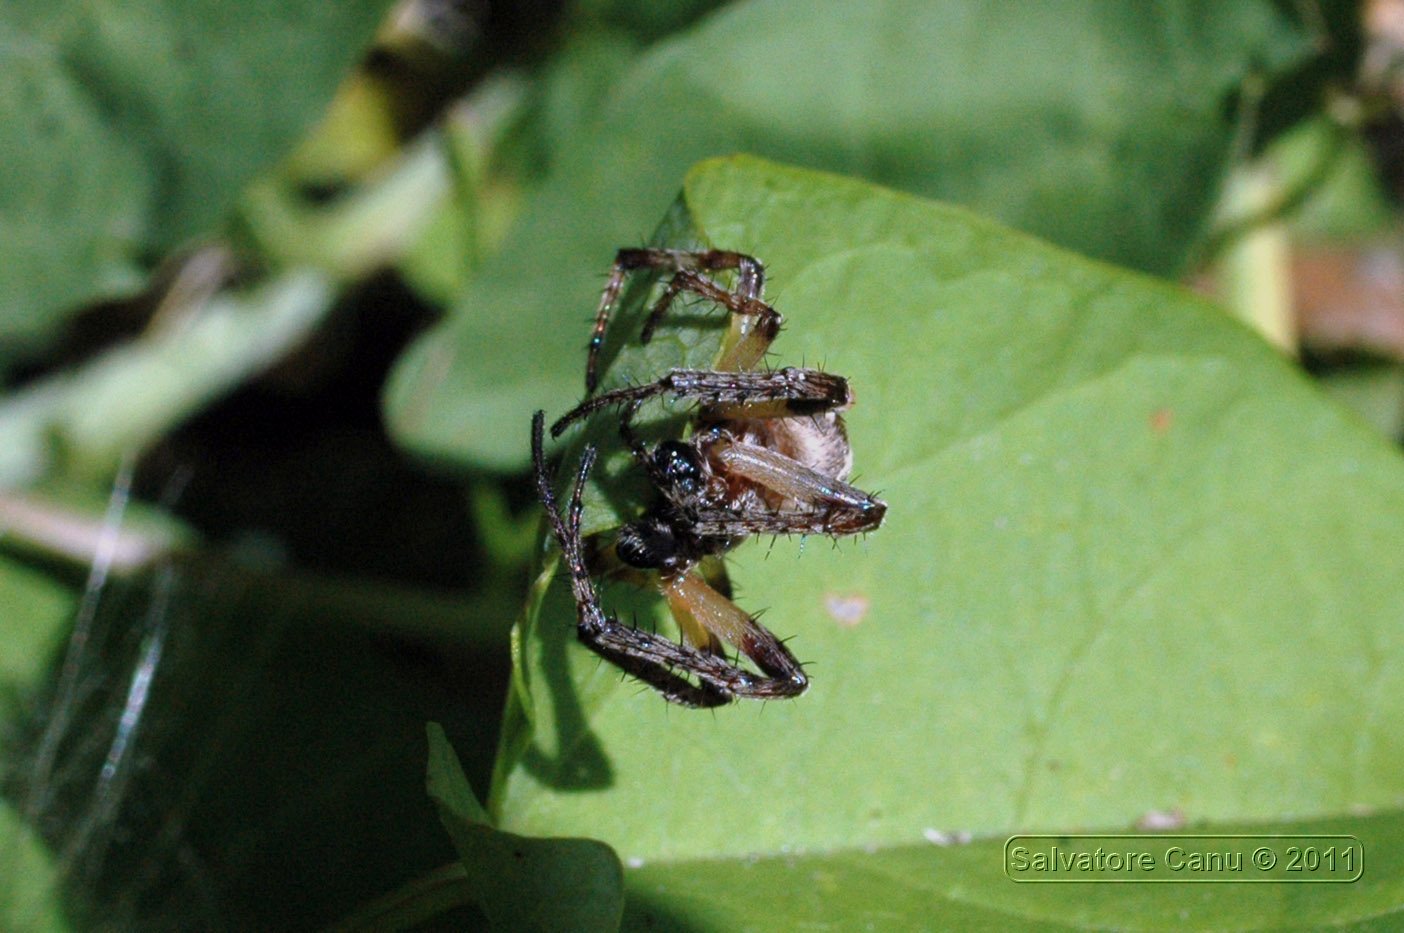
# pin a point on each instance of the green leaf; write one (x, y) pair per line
(1349, 202)
(128, 128)
(1373, 390)
(565, 99)
(519, 882)
(937, 885)
(1133, 562)
(74, 194)
(29, 880)
(35, 612)
(1098, 124)
(125, 398)
(644, 18)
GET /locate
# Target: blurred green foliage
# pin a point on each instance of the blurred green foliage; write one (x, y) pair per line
(131, 127)
(1119, 157)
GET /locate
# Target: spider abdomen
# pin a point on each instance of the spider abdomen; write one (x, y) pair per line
(819, 442)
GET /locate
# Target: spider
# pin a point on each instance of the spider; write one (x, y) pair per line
(767, 454)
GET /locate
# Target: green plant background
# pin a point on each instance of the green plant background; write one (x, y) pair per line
(1100, 574)
(898, 96)
(1137, 565)
(131, 127)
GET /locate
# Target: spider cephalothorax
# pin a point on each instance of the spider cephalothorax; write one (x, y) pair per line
(767, 454)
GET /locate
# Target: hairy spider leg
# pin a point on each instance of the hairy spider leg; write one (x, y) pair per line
(824, 505)
(697, 607)
(755, 323)
(777, 393)
(647, 657)
(827, 505)
(636, 446)
(638, 653)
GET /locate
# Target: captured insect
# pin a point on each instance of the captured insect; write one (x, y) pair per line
(766, 453)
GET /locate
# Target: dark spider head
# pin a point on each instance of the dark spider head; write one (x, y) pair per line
(651, 543)
(680, 470)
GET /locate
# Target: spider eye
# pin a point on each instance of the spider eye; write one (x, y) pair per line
(680, 466)
(648, 544)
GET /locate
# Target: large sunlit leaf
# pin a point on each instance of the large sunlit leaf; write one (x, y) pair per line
(938, 885)
(1133, 563)
(1101, 125)
(128, 128)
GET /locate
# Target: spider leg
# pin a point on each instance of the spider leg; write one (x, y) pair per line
(639, 653)
(739, 524)
(636, 446)
(654, 660)
(756, 322)
(567, 530)
(754, 326)
(695, 604)
(822, 504)
(632, 441)
(757, 394)
(608, 565)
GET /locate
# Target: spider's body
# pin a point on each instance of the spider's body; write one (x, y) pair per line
(664, 538)
(767, 454)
